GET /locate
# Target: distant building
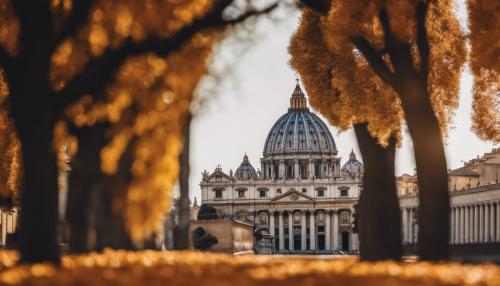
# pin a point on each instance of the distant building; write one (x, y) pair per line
(474, 201)
(300, 196)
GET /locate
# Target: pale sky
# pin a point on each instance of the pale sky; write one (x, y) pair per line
(239, 116)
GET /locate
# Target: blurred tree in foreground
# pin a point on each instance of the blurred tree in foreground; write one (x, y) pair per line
(122, 67)
(10, 161)
(382, 62)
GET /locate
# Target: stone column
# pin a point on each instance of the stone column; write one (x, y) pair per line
(312, 231)
(410, 225)
(303, 240)
(311, 168)
(296, 169)
(476, 223)
(457, 225)
(498, 222)
(290, 231)
(486, 223)
(469, 225)
(355, 241)
(492, 223)
(452, 221)
(271, 164)
(282, 170)
(466, 238)
(323, 165)
(404, 225)
(462, 225)
(328, 231)
(281, 230)
(271, 224)
(481, 223)
(335, 230)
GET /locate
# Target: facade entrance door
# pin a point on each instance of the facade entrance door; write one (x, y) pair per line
(345, 241)
(321, 242)
(297, 243)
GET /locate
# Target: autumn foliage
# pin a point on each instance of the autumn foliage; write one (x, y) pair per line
(344, 88)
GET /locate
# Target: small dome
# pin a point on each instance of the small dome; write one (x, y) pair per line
(353, 166)
(299, 131)
(245, 171)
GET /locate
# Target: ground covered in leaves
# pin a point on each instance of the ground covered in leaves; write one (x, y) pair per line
(196, 268)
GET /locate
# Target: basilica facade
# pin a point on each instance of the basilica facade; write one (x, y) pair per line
(300, 195)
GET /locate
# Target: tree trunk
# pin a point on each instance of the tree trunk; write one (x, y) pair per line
(380, 216)
(433, 213)
(39, 202)
(85, 177)
(181, 234)
(110, 226)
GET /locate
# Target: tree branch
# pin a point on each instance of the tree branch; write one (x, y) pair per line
(375, 60)
(422, 38)
(320, 6)
(78, 17)
(100, 71)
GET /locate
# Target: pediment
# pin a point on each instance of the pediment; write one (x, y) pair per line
(292, 196)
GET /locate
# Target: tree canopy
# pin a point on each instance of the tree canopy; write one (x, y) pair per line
(131, 66)
(345, 89)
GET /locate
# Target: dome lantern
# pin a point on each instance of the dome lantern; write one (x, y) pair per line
(298, 100)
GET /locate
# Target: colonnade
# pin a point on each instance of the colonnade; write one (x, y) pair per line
(469, 223)
(319, 230)
(475, 223)
(409, 225)
(8, 220)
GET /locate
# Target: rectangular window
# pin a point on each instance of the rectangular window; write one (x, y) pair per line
(289, 171)
(218, 194)
(317, 170)
(321, 193)
(321, 228)
(343, 193)
(241, 193)
(262, 193)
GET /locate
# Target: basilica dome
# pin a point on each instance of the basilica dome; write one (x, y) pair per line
(299, 131)
(245, 171)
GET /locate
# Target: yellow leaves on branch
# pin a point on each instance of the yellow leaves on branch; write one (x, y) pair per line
(342, 86)
(354, 93)
(485, 52)
(147, 105)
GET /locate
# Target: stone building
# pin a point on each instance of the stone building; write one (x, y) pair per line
(474, 202)
(300, 194)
